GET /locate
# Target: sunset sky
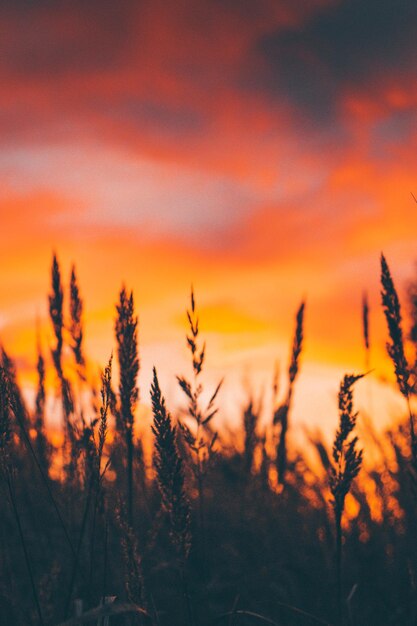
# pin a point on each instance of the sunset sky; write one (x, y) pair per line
(264, 151)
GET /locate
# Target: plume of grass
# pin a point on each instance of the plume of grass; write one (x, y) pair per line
(395, 347)
(127, 352)
(200, 439)
(104, 411)
(170, 477)
(76, 325)
(169, 472)
(296, 348)
(347, 461)
(281, 414)
(56, 301)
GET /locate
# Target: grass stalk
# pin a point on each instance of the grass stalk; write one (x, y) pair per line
(46, 483)
(347, 461)
(78, 550)
(127, 351)
(199, 436)
(24, 546)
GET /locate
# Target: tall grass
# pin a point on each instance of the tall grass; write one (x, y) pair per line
(347, 463)
(396, 347)
(127, 352)
(56, 313)
(198, 434)
(8, 472)
(76, 324)
(281, 415)
(210, 537)
(170, 477)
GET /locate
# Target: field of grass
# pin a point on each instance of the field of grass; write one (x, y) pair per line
(206, 528)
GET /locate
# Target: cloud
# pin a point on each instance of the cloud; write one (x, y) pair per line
(227, 87)
(348, 44)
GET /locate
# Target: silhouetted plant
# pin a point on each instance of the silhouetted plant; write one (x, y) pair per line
(94, 453)
(127, 352)
(282, 412)
(169, 472)
(259, 543)
(199, 437)
(347, 463)
(56, 301)
(170, 477)
(395, 347)
(16, 397)
(98, 472)
(76, 324)
(7, 471)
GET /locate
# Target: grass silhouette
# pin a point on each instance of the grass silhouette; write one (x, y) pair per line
(209, 530)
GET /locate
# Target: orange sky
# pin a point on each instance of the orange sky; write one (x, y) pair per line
(263, 150)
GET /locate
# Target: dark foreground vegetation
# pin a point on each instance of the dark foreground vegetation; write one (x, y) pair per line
(205, 528)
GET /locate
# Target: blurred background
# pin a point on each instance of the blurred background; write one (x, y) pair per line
(263, 151)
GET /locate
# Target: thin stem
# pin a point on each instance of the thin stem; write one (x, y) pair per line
(24, 547)
(202, 516)
(77, 555)
(93, 530)
(45, 481)
(92, 543)
(200, 484)
(339, 572)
